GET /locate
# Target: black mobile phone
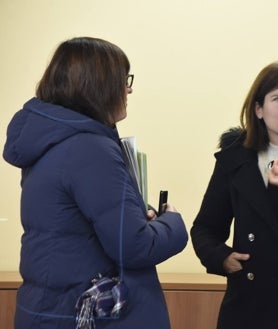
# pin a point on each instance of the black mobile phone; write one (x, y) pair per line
(163, 197)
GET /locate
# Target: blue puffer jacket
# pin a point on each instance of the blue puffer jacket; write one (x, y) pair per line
(73, 176)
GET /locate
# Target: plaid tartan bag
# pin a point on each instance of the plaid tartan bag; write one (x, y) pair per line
(104, 300)
(106, 297)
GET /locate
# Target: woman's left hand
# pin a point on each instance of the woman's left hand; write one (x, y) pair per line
(151, 214)
(273, 173)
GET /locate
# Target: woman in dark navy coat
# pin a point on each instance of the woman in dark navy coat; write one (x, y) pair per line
(76, 192)
(243, 187)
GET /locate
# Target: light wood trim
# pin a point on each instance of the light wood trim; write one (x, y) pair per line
(10, 280)
(192, 281)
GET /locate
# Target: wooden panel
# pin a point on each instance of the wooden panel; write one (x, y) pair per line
(193, 309)
(7, 308)
(193, 299)
(187, 309)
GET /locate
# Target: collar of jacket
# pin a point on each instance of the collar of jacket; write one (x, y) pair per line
(235, 156)
(241, 165)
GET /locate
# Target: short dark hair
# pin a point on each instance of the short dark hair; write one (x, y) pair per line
(256, 133)
(87, 75)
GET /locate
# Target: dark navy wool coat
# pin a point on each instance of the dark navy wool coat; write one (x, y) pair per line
(73, 177)
(237, 191)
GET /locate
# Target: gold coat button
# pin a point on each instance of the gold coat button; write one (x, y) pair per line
(250, 276)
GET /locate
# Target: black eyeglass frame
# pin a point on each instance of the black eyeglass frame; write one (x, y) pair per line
(129, 80)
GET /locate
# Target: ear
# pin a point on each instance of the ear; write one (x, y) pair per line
(259, 111)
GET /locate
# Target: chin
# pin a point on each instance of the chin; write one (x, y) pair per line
(121, 117)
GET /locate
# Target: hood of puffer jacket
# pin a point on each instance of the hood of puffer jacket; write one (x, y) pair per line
(38, 126)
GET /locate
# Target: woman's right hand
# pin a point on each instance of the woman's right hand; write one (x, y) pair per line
(273, 173)
(233, 262)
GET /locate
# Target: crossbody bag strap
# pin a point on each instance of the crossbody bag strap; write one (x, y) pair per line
(121, 229)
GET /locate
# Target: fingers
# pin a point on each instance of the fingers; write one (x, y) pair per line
(239, 256)
(151, 214)
(233, 262)
(273, 172)
(170, 208)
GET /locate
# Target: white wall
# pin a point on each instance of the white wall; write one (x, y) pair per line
(193, 60)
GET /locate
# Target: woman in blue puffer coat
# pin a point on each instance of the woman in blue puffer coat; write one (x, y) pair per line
(76, 190)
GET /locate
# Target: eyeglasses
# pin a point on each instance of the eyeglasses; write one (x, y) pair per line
(129, 80)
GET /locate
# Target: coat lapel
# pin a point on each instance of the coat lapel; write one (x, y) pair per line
(249, 183)
(247, 180)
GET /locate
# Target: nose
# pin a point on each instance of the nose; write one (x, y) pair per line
(129, 90)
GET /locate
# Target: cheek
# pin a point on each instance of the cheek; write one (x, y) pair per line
(271, 114)
(122, 115)
(271, 118)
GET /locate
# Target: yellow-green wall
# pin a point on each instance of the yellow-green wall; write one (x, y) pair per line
(193, 61)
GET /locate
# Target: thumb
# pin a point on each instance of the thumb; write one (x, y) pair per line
(239, 256)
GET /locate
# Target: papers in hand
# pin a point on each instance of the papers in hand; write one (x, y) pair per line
(136, 162)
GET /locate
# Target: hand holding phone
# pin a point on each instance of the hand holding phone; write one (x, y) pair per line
(162, 205)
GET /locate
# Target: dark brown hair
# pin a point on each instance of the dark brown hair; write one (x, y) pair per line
(256, 132)
(87, 75)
